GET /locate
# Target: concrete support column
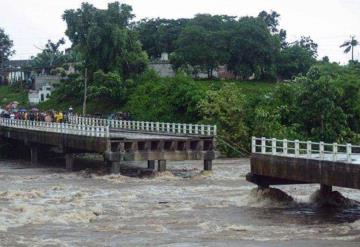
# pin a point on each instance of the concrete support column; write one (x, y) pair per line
(34, 155)
(161, 165)
(263, 186)
(151, 164)
(207, 165)
(325, 188)
(69, 161)
(115, 167)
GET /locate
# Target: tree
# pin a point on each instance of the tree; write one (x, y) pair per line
(319, 114)
(252, 48)
(271, 20)
(199, 47)
(203, 43)
(159, 35)
(293, 61)
(296, 58)
(226, 108)
(105, 40)
(110, 87)
(171, 100)
(50, 57)
(307, 43)
(6, 45)
(349, 46)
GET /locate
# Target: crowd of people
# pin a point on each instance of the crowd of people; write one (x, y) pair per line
(13, 111)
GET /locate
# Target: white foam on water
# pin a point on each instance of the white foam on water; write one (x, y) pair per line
(56, 205)
(41, 242)
(210, 227)
(117, 179)
(279, 233)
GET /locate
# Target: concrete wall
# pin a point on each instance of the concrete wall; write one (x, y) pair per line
(43, 80)
(163, 69)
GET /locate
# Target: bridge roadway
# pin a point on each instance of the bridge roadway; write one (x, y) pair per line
(118, 143)
(277, 162)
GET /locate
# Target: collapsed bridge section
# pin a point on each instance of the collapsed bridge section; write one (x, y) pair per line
(116, 144)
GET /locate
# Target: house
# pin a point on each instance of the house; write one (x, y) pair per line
(41, 95)
(13, 71)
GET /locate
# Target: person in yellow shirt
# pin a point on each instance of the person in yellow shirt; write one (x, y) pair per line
(60, 117)
(56, 117)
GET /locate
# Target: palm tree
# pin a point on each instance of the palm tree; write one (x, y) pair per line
(350, 44)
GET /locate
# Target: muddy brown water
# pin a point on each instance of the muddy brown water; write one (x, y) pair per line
(46, 206)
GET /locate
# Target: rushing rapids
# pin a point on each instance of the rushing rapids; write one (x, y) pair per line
(46, 206)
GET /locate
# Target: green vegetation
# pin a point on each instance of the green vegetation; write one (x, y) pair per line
(50, 57)
(10, 94)
(148, 86)
(6, 45)
(249, 46)
(104, 39)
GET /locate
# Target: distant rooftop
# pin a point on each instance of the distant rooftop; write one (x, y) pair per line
(16, 63)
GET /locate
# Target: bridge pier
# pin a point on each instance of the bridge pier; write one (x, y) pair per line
(207, 165)
(69, 161)
(151, 164)
(34, 155)
(325, 189)
(115, 167)
(161, 165)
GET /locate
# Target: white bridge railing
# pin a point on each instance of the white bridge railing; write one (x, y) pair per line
(171, 128)
(306, 149)
(65, 128)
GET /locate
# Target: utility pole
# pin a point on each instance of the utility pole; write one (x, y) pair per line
(85, 92)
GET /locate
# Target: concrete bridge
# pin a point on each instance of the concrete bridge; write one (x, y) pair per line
(116, 140)
(277, 162)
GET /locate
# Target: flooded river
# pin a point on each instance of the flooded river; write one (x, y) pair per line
(46, 206)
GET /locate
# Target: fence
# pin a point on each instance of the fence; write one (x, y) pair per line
(306, 149)
(171, 128)
(65, 128)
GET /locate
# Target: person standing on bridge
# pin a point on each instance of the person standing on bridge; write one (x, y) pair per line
(60, 117)
(48, 118)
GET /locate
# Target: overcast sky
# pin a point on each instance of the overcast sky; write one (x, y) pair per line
(30, 23)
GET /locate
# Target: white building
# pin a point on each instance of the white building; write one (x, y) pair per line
(42, 88)
(41, 95)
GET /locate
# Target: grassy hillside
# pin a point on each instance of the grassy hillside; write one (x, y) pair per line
(9, 94)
